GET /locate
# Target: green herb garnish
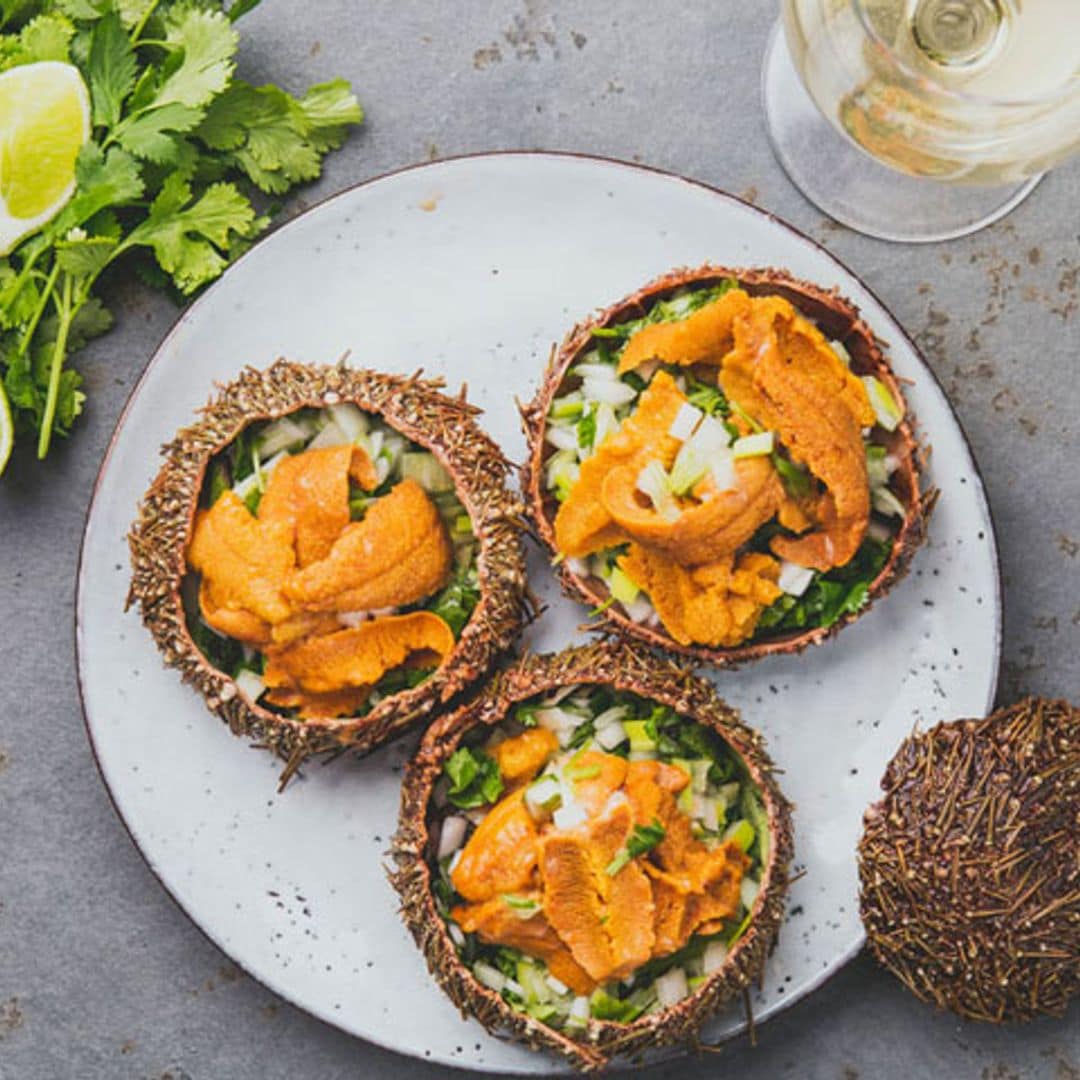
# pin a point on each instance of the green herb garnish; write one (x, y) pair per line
(474, 778)
(643, 839)
(167, 182)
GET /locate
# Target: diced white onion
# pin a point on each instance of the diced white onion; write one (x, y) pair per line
(570, 815)
(476, 815)
(611, 736)
(794, 579)
(885, 502)
(561, 436)
(543, 796)
(671, 987)
(452, 835)
(599, 371)
(748, 892)
(557, 985)
(451, 866)
(610, 716)
(686, 421)
(457, 935)
(555, 719)
(716, 953)
(279, 435)
(579, 1011)
(350, 418)
(612, 393)
(840, 349)
(249, 684)
(490, 976)
(722, 467)
(639, 611)
(331, 435)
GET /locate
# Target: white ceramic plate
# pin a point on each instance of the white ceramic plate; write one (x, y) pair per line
(473, 268)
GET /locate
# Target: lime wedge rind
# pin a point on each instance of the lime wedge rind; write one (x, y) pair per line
(7, 429)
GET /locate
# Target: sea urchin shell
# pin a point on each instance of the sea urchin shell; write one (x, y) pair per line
(840, 321)
(970, 865)
(623, 668)
(446, 426)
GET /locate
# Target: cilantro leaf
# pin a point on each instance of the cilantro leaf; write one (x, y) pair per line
(152, 134)
(46, 37)
(112, 70)
(474, 778)
(189, 239)
(206, 42)
(85, 256)
(103, 179)
(330, 108)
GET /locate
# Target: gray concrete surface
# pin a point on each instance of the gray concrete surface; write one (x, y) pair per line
(100, 975)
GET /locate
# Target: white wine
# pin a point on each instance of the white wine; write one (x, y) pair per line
(967, 91)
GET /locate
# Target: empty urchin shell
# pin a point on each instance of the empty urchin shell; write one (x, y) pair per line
(970, 864)
(419, 411)
(623, 667)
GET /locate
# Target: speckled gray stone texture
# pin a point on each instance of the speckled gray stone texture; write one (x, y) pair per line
(100, 974)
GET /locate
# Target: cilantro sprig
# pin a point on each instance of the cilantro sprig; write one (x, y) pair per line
(180, 158)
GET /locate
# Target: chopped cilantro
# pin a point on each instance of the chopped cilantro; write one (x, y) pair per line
(837, 592)
(474, 778)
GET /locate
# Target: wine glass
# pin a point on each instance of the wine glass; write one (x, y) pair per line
(921, 120)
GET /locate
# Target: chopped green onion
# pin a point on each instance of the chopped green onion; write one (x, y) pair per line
(753, 445)
(653, 481)
(888, 412)
(640, 738)
(742, 832)
(622, 588)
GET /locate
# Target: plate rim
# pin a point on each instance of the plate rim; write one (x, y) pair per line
(842, 959)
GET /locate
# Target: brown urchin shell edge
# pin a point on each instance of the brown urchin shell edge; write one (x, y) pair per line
(969, 867)
(625, 667)
(415, 407)
(840, 320)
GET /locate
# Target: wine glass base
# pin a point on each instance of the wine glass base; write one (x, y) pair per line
(850, 186)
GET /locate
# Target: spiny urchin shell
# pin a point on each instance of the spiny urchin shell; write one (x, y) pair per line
(970, 865)
(839, 320)
(624, 667)
(446, 426)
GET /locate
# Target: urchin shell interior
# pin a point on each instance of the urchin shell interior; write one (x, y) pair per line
(970, 864)
(626, 668)
(419, 410)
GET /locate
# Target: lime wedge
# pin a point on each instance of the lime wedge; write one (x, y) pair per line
(7, 430)
(44, 120)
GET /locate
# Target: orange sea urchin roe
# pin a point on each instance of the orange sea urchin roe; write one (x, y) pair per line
(783, 372)
(780, 372)
(716, 604)
(590, 925)
(584, 524)
(276, 579)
